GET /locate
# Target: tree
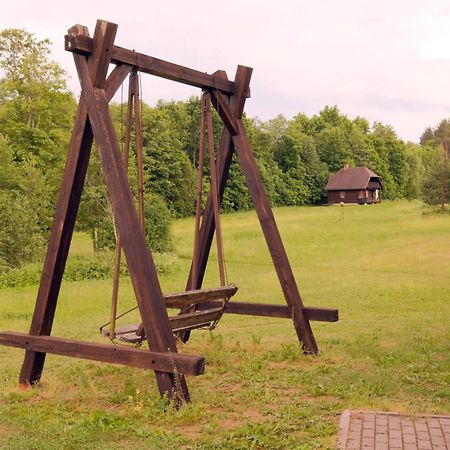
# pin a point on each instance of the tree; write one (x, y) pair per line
(439, 136)
(20, 239)
(415, 171)
(36, 108)
(436, 184)
(332, 147)
(169, 172)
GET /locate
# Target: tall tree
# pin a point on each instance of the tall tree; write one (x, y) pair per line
(36, 108)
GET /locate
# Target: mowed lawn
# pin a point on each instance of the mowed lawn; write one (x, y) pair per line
(385, 267)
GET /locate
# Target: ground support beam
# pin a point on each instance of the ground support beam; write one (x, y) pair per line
(129, 356)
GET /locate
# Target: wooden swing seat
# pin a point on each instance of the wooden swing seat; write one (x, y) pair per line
(189, 318)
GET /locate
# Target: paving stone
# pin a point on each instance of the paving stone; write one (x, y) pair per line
(385, 431)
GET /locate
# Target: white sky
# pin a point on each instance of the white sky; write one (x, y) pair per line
(385, 60)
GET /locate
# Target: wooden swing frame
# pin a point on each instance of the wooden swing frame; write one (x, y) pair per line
(92, 58)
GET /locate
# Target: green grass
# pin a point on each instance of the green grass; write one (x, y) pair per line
(386, 268)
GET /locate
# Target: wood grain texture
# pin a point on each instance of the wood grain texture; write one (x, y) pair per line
(139, 260)
(225, 155)
(84, 45)
(145, 359)
(187, 298)
(273, 239)
(274, 310)
(61, 232)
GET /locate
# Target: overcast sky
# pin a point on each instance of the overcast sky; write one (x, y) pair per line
(388, 61)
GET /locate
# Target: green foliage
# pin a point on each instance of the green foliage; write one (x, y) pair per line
(36, 112)
(169, 172)
(436, 184)
(20, 237)
(158, 220)
(438, 136)
(295, 157)
(99, 266)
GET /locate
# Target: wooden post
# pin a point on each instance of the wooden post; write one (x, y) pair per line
(225, 156)
(66, 212)
(273, 239)
(139, 260)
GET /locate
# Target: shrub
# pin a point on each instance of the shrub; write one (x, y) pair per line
(97, 267)
(158, 220)
(20, 235)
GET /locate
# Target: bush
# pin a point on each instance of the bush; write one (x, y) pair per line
(20, 235)
(158, 220)
(78, 268)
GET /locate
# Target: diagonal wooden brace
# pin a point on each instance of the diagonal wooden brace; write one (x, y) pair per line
(63, 224)
(140, 262)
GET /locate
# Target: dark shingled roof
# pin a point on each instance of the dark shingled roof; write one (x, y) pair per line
(349, 178)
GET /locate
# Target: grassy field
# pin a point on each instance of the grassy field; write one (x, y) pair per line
(387, 269)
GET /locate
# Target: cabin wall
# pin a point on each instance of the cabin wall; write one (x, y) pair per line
(360, 196)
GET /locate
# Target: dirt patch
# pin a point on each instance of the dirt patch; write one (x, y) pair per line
(280, 365)
(5, 431)
(190, 432)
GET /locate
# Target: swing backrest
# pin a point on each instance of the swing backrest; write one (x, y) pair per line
(190, 318)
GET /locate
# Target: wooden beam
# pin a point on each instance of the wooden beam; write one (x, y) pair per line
(271, 310)
(273, 238)
(222, 108)
(225, 156)
(145, 359)
(61, 232)
(195, 319)
(116, 78)
(139, 259)
(83, 45)
(187, 298)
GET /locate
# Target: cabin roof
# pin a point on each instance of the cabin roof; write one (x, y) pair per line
(350, 178)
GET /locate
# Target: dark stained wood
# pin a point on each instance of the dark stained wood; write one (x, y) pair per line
(215, 190)
(139, 149)
(271, 310)
(195, 319)
(226, 149)
(116, 78)
(84, 45)
(187, 298)
(198, 205)
(102, 45)
(145, 359)
(273, 239)
(139, 260)
(92, 58)
(220, 103)
(61, 233)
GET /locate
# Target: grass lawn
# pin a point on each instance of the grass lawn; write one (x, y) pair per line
(387, 269)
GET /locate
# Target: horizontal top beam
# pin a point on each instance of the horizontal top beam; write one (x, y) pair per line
(81, 44)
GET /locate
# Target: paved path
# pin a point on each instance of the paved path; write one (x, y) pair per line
(384, 431)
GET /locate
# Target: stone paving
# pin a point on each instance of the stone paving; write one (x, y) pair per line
(385, 431)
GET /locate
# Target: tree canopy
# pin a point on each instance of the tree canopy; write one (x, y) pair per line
(296, 156)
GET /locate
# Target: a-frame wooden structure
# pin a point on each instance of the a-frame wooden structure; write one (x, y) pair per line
(93, 57)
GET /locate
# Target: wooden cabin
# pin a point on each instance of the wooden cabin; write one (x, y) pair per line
(354, 185)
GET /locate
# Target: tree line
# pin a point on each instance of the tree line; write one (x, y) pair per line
(295, 156)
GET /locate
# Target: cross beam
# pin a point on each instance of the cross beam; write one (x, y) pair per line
(84, 45)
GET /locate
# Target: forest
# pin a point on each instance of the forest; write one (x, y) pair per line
(296, 157)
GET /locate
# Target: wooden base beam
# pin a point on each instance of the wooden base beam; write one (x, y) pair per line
(144, 359)
(271, 310)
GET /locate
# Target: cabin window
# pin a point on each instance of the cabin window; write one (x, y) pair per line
(361, 194)
(342, 194)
